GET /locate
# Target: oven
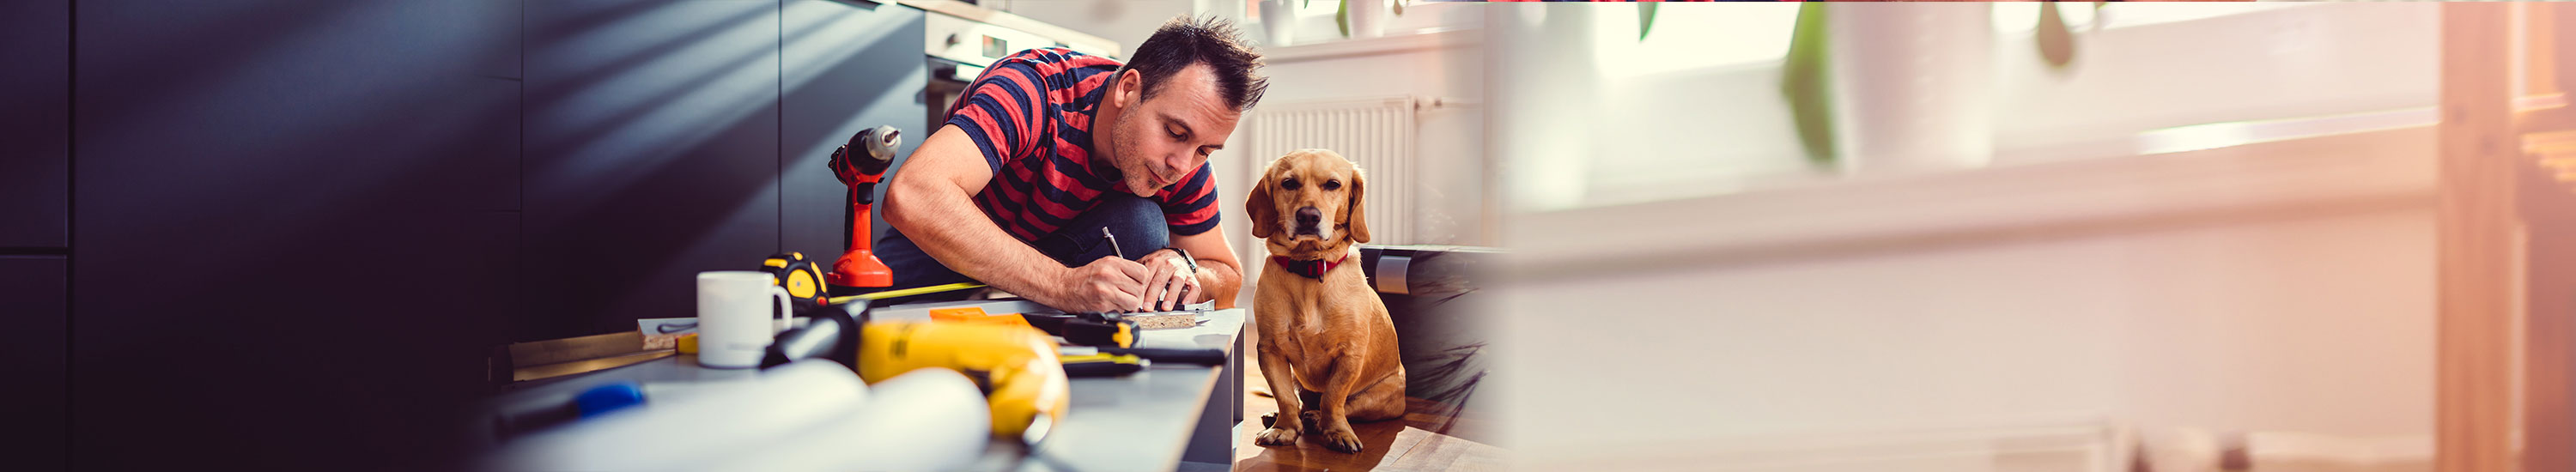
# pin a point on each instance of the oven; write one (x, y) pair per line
(960, 38)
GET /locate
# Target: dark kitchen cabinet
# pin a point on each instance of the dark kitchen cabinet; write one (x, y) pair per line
(850, 66)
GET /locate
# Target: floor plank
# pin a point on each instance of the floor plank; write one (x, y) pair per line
(1422, 440)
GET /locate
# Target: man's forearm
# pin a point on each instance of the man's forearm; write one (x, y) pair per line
(946, 226)
(1222, 280)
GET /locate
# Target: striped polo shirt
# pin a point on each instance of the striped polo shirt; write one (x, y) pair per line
(1031, 114)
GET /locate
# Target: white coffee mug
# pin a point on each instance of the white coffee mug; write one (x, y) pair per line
(735, 326)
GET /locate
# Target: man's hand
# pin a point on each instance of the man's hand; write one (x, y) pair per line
(1171, 282)
(1105, 285)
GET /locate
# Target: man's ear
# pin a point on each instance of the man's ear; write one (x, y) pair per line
(1263, 212)
(1359, 213)
(1130, 87)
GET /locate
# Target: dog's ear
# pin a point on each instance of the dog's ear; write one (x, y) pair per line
(1264, 213)
(1359, 213)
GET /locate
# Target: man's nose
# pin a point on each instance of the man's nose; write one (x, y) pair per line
(1308, 216)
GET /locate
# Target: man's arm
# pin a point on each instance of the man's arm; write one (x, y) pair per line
(933, 203)
(1191, 205)
(1220, 274)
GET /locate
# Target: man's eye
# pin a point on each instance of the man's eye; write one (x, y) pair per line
(1175, 134)
(1290, 184)
(1332, 185)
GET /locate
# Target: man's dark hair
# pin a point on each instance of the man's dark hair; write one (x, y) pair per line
(1183, 41)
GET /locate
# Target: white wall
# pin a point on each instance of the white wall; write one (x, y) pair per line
(1127, 22)
(2219, 314)
(2283, 286)
(2317, 323)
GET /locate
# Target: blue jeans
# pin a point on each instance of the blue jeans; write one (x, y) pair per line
(1137, 222)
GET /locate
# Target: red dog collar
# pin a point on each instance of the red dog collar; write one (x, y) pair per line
(1312, 269)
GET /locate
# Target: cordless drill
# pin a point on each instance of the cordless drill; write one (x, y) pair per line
(1022, 379)
(861, 164)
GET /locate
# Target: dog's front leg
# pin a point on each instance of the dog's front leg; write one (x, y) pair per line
(1283, 387)
(1335, 404)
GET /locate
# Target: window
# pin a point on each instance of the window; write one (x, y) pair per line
(1697, 110)
(1314, 20)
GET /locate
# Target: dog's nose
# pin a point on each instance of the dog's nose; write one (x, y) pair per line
(1309, 216)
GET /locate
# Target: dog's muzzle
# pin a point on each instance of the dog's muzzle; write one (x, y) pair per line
(1310, 222)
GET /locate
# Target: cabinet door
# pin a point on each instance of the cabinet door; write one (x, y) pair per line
(35, 109)
(287, 217)
(652, 134)
(34, 293)
(849, 66)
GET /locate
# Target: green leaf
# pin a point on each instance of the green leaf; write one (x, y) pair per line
(1645, 18)
(1342, 18)
(1805, 80)
(2056, 44)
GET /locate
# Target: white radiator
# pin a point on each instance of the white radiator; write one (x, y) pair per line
(1378, 133)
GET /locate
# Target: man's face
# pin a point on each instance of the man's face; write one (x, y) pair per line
(1159, 141)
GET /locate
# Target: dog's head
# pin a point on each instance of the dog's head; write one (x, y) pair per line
(1307, 205)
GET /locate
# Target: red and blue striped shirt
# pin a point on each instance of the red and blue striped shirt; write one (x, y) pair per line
(1031, 114)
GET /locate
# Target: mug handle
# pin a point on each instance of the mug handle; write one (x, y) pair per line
(786, 310)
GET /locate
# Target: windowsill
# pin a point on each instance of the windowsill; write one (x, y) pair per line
(1392, 42)
(2354, 170)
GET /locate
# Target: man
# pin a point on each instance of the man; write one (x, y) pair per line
(1049, 151)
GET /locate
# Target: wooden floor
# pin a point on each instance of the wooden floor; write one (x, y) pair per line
(1423, 440)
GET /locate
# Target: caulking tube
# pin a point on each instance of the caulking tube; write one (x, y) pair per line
(717, 420)
(926, 419)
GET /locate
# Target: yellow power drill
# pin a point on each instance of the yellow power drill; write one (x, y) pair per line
(1015, 365)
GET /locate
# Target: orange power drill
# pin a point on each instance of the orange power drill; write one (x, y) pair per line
(861, 164)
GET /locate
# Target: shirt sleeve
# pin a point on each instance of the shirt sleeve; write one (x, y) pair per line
(1189, 207)
(1000, 111)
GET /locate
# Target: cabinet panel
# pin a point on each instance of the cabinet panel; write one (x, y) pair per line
(652, 139)
(849, 66)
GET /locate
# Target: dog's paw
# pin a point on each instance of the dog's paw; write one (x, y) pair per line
(1342, 439)
(1314, 421)
(1276, 437)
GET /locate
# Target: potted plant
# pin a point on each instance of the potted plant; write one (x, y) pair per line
(1368, 20)
(1921, 72)
(1279, 21)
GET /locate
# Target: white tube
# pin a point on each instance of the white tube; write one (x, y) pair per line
(717, 420)
(927, 419)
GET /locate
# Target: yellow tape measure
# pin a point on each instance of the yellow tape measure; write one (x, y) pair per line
(906, 292)
(802, 278)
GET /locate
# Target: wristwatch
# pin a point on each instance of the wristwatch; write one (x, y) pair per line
(1186, 259)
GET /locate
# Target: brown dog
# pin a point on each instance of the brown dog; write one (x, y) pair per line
(1325, 341)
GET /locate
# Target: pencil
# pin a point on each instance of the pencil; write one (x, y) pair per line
(1113, 243)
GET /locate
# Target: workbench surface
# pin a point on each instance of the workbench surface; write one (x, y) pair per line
(1142, 421)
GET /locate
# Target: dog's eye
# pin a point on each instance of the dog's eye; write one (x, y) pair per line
(1290, 184)
(1332, 185)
